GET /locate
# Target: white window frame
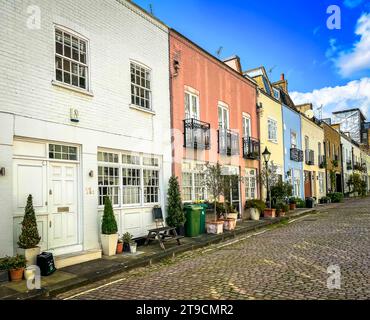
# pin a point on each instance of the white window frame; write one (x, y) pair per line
(321, 182)
(247, 183)
(224, 123)
(247, 119)
(296, 183)
(86, 64)
(142, 167)
(191, 114)
(272, 122)
(293, 134)
(191, 168)
(150, 90)
(276, 93)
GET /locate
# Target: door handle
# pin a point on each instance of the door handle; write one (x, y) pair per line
(49, 224)
(50, 192)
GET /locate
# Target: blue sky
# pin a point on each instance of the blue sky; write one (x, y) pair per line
(290, 36)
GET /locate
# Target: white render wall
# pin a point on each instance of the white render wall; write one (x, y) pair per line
(32, 107)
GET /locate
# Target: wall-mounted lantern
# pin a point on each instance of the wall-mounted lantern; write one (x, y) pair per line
(91, 174)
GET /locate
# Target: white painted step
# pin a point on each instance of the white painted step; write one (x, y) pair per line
(70, 259)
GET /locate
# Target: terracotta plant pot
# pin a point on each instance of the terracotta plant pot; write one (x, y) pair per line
(215, 227)
(292, 206)
(282, 214)
(119, 247)
(269, 213)
(16, 274)
(229, 224)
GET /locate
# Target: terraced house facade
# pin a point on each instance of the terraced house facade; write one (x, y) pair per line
(214, 120)
(84, 114)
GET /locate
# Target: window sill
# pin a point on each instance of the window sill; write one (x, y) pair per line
(132, 106)
(71, 88)
(273, 141)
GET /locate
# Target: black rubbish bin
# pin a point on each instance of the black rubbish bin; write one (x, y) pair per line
(310, 202)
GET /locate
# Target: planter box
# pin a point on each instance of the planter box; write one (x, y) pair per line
(229, 224)
(215, 227)
(232, 216)
(109, 244)
(4, 276)
(292, 206)
(254, 214)
(30, 254)
(269, 213)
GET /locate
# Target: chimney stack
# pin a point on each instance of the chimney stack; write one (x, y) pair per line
(282, 77)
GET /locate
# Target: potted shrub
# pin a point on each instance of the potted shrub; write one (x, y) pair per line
(255, 208)
(336, 197)
(127, 239)
(214, 182)
(325, 200)
(292, 204)
(29, 237)
(175, 213)
(119, 246)
(109, 236)
(15, 265)
(229, 218)
(269, 213)
(281, 209)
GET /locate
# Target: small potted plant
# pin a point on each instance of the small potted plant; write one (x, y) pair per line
(133, 247)
(29, 237)
(292, 204)
(127, 239)
(255, 208)
(109, 236)
(119, 246)
(269, 213)
(229, 218)
(15, 265)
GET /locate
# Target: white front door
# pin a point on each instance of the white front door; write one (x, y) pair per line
(63, 212)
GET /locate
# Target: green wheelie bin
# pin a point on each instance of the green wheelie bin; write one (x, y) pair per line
(203, 217)
(192, 224)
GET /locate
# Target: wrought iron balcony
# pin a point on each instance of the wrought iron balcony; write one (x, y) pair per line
(296, 155)
(251, 148)
(197, 134)
(349, 165)
(322, 161)
(228, 142)
(310, 157)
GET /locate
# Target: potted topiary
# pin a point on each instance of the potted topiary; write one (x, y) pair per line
(292, 203)
(15, 265)
(175, 213)
(229, 218)
(127, 239)
(29, 237)
(109, 236)
(255, 208)
(214, 182)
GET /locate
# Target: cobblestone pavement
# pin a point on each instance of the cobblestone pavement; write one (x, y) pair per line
(287, 262)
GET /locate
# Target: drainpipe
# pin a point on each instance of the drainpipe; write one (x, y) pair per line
(326, 169)
(342, 167)
(259, 136)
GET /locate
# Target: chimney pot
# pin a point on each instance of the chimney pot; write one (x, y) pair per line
(282, 76)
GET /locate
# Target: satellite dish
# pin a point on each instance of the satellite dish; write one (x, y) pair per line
(309, 114)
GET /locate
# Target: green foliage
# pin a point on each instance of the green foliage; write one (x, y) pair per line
(175, 213)
(109, 223)
(356, 184)
(11, 263)
(255, 203)
(29, 237)
(298, 201)
(333, 178)
(281, 190)
(325, 200)
(127, 237)
(363, 189)
(335, 197)
(281, 207)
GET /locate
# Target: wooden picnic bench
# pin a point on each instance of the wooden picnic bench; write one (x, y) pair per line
(163, 234)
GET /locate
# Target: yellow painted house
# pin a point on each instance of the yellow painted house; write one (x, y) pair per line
(313, 150)
(270, 120)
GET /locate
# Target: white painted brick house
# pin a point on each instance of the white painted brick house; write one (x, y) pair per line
(105, 64)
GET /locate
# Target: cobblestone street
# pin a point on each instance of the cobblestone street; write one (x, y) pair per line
(287, 262)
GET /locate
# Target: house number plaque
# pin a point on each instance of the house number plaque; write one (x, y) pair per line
(63, 209)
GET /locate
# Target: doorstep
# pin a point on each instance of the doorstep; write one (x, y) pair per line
(79, 274)
(70, 259)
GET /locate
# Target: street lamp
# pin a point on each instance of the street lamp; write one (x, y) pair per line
(266, 156)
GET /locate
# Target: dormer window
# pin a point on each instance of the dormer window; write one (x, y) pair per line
(276, 93)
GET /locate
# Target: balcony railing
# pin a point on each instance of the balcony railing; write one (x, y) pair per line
(296, 155)
(310, 157)
(322, 161)
(251, 148)
(197, 134)
(349, 165)
(228, 142)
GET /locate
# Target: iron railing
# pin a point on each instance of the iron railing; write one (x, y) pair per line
(228, 142)
(251, 148)
(197, 134)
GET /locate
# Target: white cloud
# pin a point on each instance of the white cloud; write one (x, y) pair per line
(358, 58)
(355, 94)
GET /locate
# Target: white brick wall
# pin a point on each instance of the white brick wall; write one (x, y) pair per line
(116, 35)
(117, 32)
